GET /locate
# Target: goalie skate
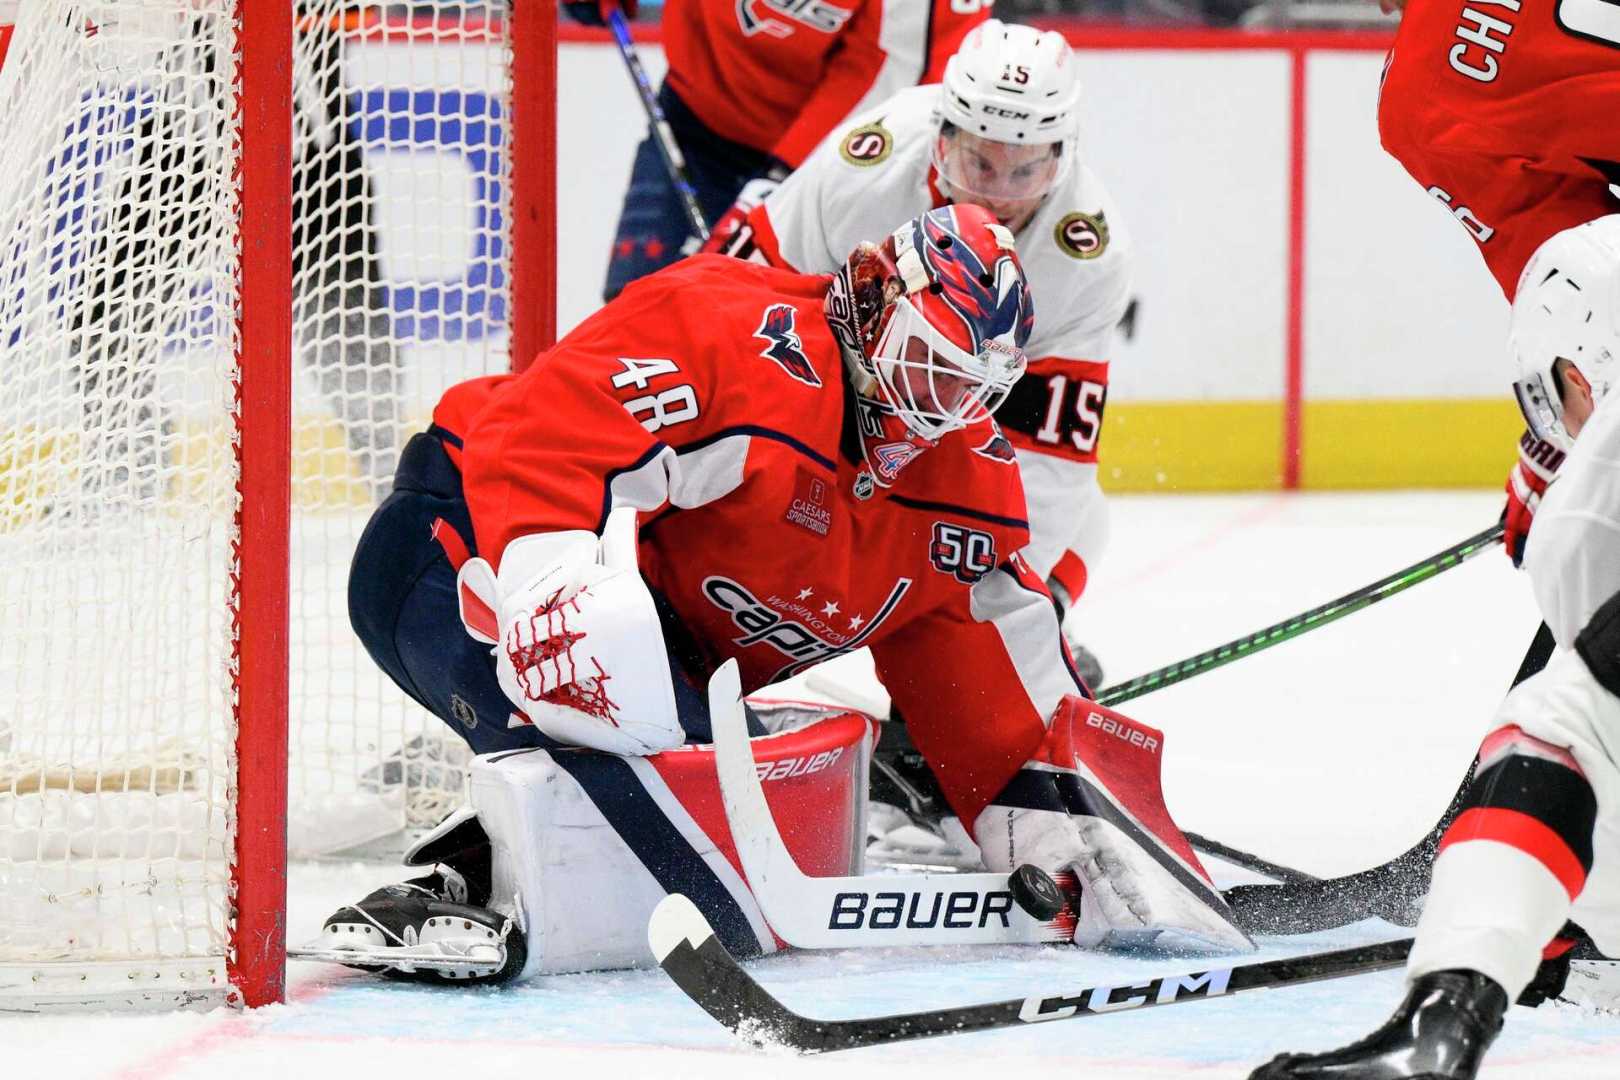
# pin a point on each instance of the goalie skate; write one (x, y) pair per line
(407, 931)
(895, 839)
(908, 822)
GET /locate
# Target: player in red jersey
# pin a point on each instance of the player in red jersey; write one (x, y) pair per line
(1505, 113)
(809, 470)
(754, 85)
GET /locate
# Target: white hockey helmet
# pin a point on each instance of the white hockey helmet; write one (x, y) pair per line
(1566, 307)
(1013, 84)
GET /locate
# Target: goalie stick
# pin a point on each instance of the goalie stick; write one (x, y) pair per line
(689, 953)
(895, 909)
(1334, 902)
(844, 912)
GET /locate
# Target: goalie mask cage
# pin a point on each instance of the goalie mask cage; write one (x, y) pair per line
(244, 245)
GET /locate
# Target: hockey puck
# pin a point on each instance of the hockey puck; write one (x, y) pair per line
(1036, 892)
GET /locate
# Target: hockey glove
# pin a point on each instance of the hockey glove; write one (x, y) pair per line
(732, 234)
(577, 646)
(595, 12)
(1527, 481)
(1089, 806)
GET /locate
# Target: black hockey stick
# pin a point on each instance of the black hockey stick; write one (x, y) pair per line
(1254, 863)
(658, 126)
(1393, 890)
(1302, 903)
(1291, 628)
(693, 957)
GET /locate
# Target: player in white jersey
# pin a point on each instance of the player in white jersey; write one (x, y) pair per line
(1537, 840)
(1001, 131)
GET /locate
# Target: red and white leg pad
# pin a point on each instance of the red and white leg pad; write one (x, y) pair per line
(1091, 804)
(586, 844)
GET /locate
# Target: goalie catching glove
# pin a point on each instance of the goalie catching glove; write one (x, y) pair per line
(577, 645)
(1090, 806)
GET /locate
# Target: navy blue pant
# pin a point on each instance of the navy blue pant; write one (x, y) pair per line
(402, 604)
(652, 224)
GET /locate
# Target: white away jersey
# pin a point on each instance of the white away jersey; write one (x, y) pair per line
(1573, 552)
(874, 174)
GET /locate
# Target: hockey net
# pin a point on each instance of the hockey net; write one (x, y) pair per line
(121, 493)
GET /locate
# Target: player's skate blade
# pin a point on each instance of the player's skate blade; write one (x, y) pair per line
(406, 932)
(1440, 1032)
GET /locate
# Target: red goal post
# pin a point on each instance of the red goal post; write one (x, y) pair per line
(207, 362)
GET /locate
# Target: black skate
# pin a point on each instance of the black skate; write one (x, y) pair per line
(1580, 975)
(1440, 1032)
(434, 928)
(908, 821)
(408, 931)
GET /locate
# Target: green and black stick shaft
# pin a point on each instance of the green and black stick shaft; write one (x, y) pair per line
(1288, 629)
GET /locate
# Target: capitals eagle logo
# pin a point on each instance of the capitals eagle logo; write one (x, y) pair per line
(783, 344)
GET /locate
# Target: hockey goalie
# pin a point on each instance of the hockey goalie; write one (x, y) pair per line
(805, 465)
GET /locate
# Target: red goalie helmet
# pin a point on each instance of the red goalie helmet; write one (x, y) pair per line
(933, 322)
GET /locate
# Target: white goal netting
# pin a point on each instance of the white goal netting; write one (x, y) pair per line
(119, 345)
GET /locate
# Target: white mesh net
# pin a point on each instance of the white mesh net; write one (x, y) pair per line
(118, 261)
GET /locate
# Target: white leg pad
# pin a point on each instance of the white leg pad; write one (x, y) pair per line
(580, 891)
(580, 894)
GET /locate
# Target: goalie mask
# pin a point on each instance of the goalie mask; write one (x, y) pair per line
(1567, 307)
(932, 325)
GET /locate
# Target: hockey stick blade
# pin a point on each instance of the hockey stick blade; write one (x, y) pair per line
(853, 910)
(1393, 891)
(694, 959)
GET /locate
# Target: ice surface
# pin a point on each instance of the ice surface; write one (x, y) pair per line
(1330, 753)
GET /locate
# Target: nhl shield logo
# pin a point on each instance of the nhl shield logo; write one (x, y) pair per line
(464, 713)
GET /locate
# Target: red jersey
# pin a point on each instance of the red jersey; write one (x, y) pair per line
(711, 397)
(1507, 114)
(777, 75)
